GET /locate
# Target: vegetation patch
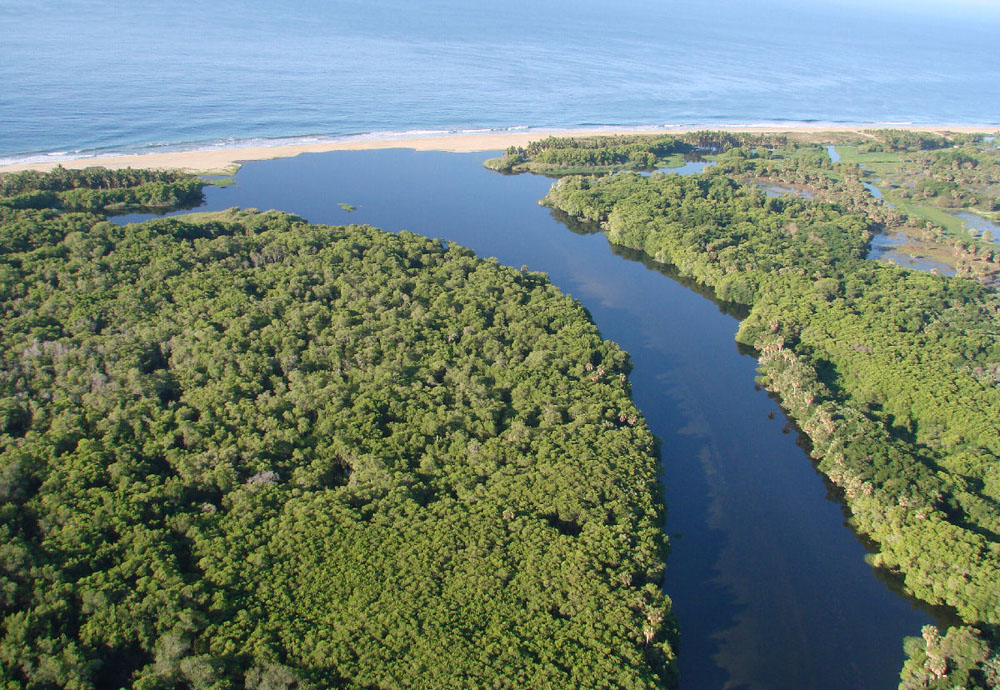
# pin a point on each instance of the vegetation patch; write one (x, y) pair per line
(893, 374)
(244, 451)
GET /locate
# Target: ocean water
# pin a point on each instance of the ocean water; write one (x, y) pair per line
(82, 77)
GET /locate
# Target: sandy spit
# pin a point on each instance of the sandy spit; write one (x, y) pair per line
(228, 160)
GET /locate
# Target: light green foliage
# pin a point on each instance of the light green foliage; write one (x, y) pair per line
(955, 660)
(559, 156)
(902, 140)
(919, 187)
(252, 452)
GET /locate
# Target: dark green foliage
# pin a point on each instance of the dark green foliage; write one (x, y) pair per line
(724, 234)
(99, 189)
(59, 179)
(252, 452)
(891, 373)
(904, 140)
(568, 155)
(560, 155)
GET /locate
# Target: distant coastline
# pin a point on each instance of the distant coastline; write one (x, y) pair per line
(227, 160)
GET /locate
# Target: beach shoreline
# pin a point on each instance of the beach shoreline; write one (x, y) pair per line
(227, 161)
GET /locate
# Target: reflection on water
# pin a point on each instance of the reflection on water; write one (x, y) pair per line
(774, 190)
(892, 246)
(770, 588)
(691, 167)
(834, 156)
(976, 222)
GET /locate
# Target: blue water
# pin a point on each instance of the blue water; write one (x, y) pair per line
(770, 587)
(688, 168)
(979, 224)
(79, 77)
(875, 191)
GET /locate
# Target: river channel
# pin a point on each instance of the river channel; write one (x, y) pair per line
(770, 586)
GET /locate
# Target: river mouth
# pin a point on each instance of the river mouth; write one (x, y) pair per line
(770, 588)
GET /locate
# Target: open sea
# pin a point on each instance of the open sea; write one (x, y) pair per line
(86, 77)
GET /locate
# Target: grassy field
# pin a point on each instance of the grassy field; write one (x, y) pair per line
(951, 224)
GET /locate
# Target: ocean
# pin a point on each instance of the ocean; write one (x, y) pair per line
(85, 77)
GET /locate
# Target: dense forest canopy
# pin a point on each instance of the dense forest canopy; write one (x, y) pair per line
(245, 451)
(892, 374)
(100, 189)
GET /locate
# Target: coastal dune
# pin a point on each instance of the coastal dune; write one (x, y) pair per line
(228, 160)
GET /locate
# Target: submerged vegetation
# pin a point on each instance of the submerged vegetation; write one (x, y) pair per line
(240, 450)
(892, 374)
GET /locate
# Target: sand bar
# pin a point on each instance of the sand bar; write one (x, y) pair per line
(227, 160)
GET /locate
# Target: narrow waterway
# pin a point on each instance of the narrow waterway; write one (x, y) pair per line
(980, 225)
(770, 587)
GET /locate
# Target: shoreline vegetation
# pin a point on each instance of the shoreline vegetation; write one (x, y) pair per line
(892, 374)
(227, 161)
(240, 450)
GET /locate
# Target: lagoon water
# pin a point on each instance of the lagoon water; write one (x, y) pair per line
(81, 77)
(771, 589)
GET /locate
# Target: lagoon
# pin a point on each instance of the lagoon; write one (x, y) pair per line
(769, 585)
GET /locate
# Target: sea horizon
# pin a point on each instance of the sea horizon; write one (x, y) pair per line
(87, 80)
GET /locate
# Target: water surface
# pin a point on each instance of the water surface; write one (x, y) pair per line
(775, 190)
(979, 224)
(83, 77)
(875, 191)
(689, 168)
(891, 247)
(770, 587)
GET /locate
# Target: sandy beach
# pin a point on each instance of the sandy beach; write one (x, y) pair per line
(228, 160)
